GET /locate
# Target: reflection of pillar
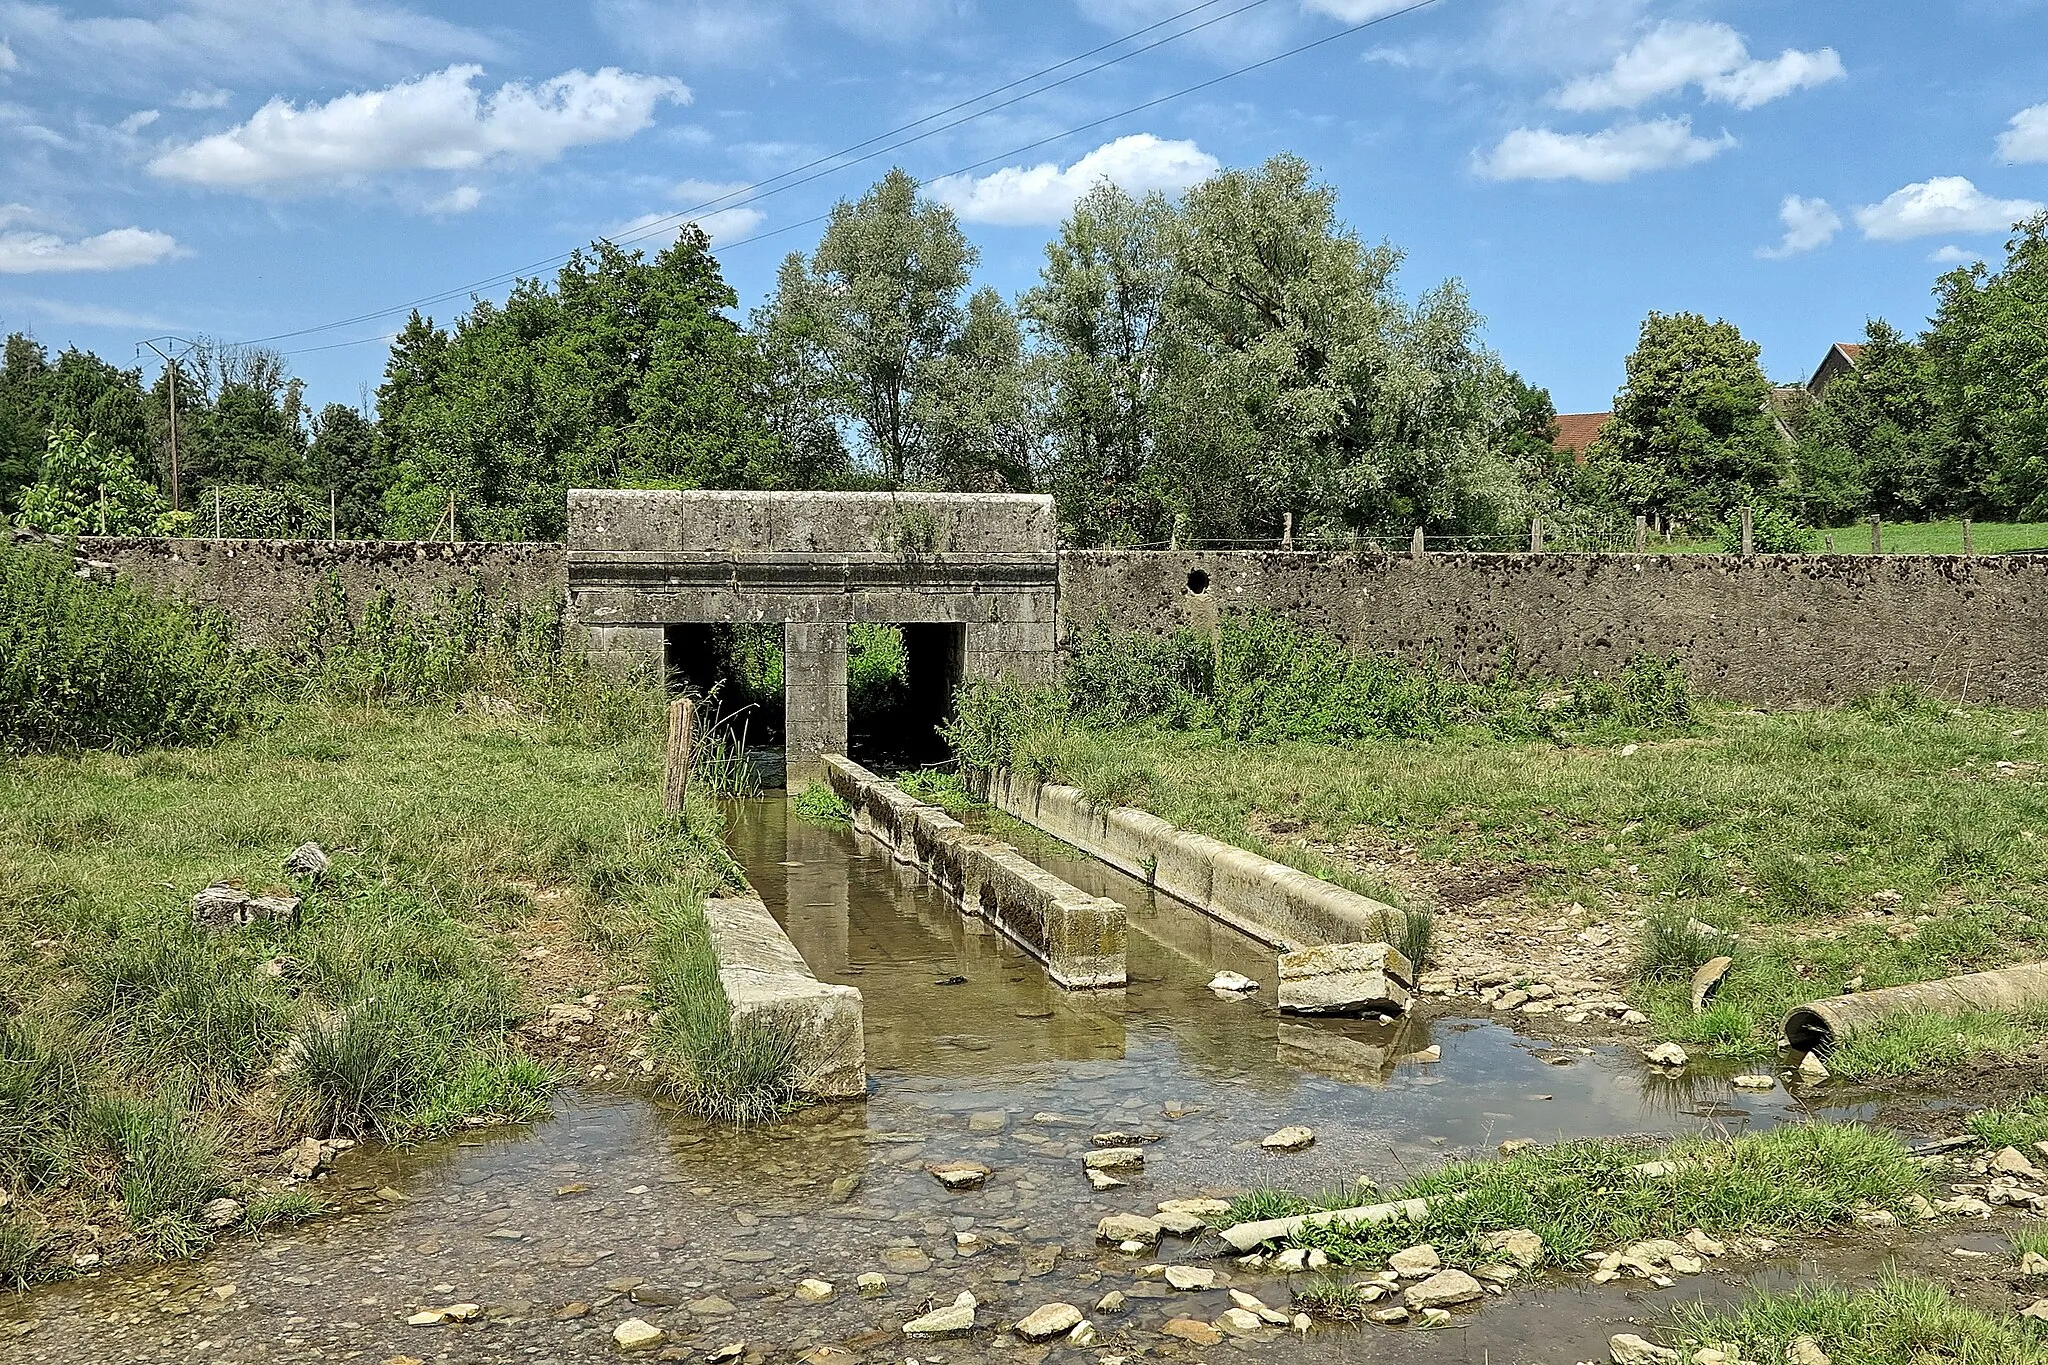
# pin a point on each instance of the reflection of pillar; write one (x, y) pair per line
(813, 696)
(629, 652)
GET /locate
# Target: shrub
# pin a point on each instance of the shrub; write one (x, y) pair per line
(937, 787)
(92, 664)
(1774, 532)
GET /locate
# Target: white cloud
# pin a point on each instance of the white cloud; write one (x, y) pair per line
(1955, 255)
(1043, 194)
(461, 199)
(8, 61)
(97, 315)
(1937, 207)
(1809, 224)
(436, 122)
(36, 253)
(1354, 11)
(1612, 154)
(2026, 137)
(1675, 55)
(202, 99)
(138, 120)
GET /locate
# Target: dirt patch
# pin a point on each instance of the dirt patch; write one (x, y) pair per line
(584, 1020)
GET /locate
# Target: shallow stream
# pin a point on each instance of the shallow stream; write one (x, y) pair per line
(620, 1207)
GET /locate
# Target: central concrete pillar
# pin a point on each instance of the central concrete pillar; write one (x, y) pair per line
(813, 698)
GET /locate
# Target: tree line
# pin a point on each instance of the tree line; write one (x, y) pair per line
(1217, 366)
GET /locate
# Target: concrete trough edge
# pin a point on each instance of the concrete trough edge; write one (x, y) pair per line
(765, 979)
(1078, 938)
(1281, 906)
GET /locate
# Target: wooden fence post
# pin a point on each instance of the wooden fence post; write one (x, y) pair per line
(1535, 535)
(333, 513)
(675, 783)
(1287, 532)
(1969, 542)
(1748, 530)
(1415, 544)
(1876, 536)
(1642, 533)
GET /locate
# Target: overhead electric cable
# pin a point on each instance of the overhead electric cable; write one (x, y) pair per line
(650, 229)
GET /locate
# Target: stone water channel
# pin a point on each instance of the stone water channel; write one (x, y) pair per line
(621, 1208)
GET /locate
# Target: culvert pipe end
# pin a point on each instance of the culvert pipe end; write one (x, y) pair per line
(1822, 1025)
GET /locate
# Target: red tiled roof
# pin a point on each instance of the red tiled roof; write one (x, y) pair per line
(1851, 349)
(1576, 430)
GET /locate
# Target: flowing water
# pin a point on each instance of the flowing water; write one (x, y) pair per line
(621, 1208)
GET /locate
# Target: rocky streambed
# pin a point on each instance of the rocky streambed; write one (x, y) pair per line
(623, 1226)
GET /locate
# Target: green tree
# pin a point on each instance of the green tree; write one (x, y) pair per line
(345, 457)
(77, 389)
(1692, 433)
(86, 489)
(879, 311)
(1097, 317)
(1988, 354)
(241, 419)
(621, 372)
(1870, 443)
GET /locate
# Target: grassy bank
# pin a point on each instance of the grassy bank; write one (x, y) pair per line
(1588, 1196)
(1898, 1321)
(1884, 842)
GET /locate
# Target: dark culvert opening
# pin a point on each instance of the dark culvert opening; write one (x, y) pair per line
(1198, 581)
(735, 674)
(900, 682)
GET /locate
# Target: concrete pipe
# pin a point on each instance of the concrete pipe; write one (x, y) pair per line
(1823, 1024)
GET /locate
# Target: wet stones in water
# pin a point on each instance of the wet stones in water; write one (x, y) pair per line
(1112, 1302)
(1415, 1262)
(1756, 1083)
(950, 981)
(1626, 1348)
(712, 1306)
(1252, 1304)
(1293, 1138)
(814, 1291)
(1190, 1279)
(960, 1175)
(1668, 1055)
(1052, 1320)
(1114, 1159)
(1120, 1228)
(1121, 1139)
(906, 1260)
(1051, 1120)
(1103, 1180)
(1232, 984)
(942, 1322)
(1519, 1245)
(454, 1312)
(1240, 1322)
(874, 1285)
(988, 1121)
(1192, 1331)
(1443, 1289)
(1040, 1260)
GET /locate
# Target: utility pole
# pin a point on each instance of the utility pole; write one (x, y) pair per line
(171, 374)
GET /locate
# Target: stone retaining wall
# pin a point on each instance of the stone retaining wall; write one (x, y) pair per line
(265, 586)
(765, 980)
(1276, 904)
(1079, 937)
(1773, 629)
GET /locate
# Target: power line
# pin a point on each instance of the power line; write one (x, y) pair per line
(1139, 108)
(758, 190)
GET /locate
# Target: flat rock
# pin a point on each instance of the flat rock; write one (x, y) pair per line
(1415, 1261)
(1757, 1083)
(1052, 1320)
(906, 1260)
(1293, 1138)
(1707, 980)
(1178, 1223)
(1231, 983)
(1189, 1278)
(1127, 1227)
(1443, 1289)
(1626, 1348)
(947, 1321)
(1193, 1331)
(1665, 1054)
(635, 1334)
(1519, 1245)
(1114, 1159)
(1240, 1322)
(960, 1175)
(1103, 1180)
(814, 1291)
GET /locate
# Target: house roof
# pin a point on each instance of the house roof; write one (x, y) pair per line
(1841, 355)
(1576, 430)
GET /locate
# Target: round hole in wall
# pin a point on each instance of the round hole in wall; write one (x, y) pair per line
(1198, 581)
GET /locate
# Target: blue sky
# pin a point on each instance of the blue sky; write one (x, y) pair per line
(250, 168)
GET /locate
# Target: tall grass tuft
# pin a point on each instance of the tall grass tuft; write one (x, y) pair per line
(1674, 945)
(170, 1168)
(1898, 1321)
(42, 1089)
(744, 1072)
(88, 664)
(23, 1241)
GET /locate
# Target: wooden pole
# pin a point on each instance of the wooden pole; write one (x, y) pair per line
(1969, 542)
(1287, 532)
(1748, 530)
(216, 511)
(333, 513)
(1535, 535)
(451, 516)
(682, 725)
(1642, 534)
(1415, 545)
(1876, 536)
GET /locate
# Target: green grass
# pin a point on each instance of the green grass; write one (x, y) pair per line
(2020, 1125)
(1585, 1196)
(741, 1072)
(2029, 1241)
(1332, 1300)
(282, 1208)
(135, 1044)
(1905, 1043)
(1903, 538)
(939, 787)
(1898, 1321)
(1784, 828)
(818, 804)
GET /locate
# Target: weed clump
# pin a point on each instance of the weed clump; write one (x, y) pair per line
(818, 804)
(282, 1208)
(1674, 945)
(736, 1071)
(89, 664)
(2016, 1125)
